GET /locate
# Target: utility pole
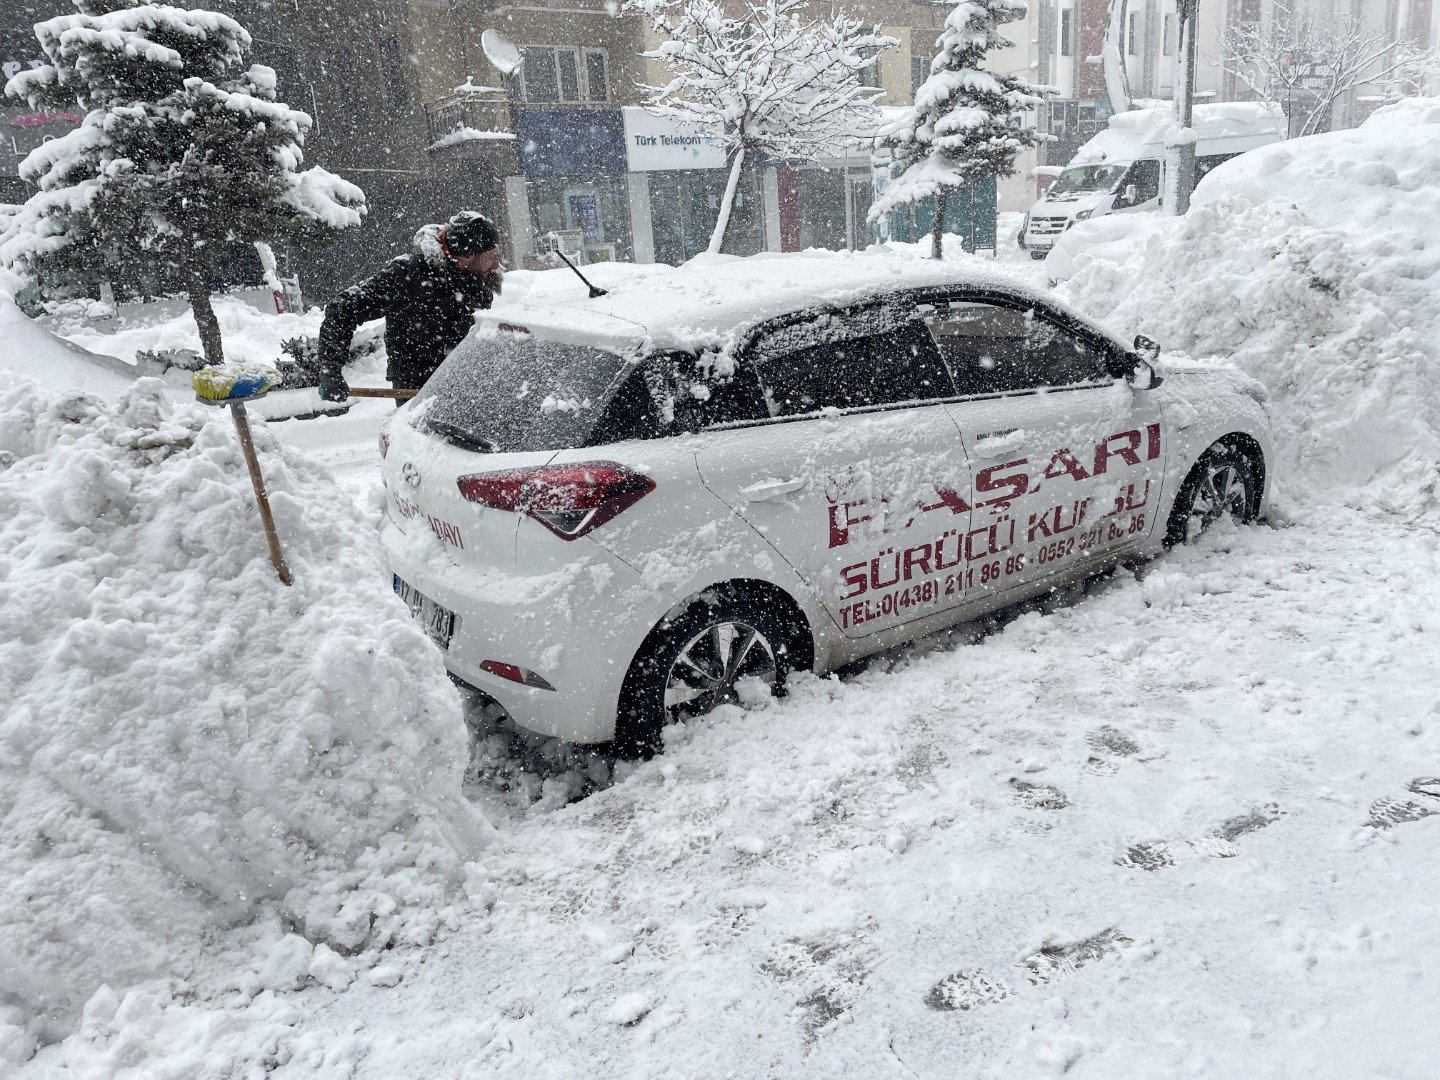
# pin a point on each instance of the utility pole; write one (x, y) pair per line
(1180, 160)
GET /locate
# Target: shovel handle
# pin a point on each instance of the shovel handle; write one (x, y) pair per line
(382, 392)
(262, 500)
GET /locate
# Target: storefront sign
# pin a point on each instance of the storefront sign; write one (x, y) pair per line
(657, 143)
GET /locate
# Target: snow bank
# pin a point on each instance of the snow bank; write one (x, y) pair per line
(1314, 265)
(186, 743)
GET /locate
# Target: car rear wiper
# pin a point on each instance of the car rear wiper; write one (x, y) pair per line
(458, 436)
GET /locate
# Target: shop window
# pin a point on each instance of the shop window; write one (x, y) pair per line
(919, 72)
(568, 63)
(541, 83)
(393, 70)
(1066, 30)
(597, 75)
(564, 75)
(870, 76)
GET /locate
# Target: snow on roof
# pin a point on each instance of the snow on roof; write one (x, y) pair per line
(710, 300)
(1142, 133)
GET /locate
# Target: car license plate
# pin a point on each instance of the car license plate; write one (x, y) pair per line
(438, 622)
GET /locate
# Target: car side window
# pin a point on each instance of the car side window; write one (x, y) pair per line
(735, 399)
(996, 349)
(631, 413)
(1144, 176)
(851, 359)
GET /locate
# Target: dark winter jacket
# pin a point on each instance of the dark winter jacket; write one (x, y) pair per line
(428, 304)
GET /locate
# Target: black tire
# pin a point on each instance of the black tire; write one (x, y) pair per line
(1222, 483)
(1038, 255)
(658, 676)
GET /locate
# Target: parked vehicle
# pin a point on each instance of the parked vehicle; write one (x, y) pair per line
(1122, 170)
(621, 512)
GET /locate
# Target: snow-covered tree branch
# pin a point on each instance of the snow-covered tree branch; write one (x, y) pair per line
(184, 148)
(966, 121)
(769, 78)
(1309, 62)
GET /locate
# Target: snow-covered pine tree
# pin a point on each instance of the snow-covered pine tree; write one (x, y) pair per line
(964, 123)
(184, 148)
(768, 78)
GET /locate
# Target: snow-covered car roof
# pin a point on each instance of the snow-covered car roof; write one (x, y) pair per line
(711, 303)
(1228, 127)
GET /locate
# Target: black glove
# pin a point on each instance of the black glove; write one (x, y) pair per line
(333, 386)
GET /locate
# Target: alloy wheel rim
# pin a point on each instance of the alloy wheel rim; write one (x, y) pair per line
(1221, 493)
(708, 669)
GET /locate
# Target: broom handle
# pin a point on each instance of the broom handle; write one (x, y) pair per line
(382, 392)
(242, 427)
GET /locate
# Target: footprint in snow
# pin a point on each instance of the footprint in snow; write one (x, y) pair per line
(1386, 813)
(1425, 785)
(966, 990)
(1038, 796)
(1058, 959)
(827, 972)
(1112, 741)
(1218, 844)
(1108, 743)
(1153, 855)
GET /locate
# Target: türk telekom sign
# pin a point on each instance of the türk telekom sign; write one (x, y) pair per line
(658, 143)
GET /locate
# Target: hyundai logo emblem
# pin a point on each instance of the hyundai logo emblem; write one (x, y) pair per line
(411, 475)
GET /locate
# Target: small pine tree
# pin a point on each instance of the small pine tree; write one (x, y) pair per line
(184, 149)
(964, 121)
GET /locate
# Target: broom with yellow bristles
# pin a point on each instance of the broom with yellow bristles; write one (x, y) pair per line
(234, 385)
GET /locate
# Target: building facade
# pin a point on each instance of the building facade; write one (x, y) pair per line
(419, 103)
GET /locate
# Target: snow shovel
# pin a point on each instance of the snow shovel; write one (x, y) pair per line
(382, 392)
(234, 387)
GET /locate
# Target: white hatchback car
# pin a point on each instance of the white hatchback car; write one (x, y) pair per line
(613, 513)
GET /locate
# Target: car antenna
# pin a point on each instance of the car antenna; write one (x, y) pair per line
(595, 290)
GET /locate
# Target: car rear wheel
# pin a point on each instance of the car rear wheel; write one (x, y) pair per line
(1038, 255)
(1222, 484)
(707, 657)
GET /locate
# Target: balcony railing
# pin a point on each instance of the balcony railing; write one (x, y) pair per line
(484, 111)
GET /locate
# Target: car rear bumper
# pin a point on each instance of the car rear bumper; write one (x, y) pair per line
(578, 628)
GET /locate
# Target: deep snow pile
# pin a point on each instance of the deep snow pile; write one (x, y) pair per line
(186, 743)
(1315, 266)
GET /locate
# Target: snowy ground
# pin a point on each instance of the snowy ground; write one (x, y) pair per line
(1183, 822)
(1162, 829)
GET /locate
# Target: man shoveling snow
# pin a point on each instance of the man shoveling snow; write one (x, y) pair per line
(428, 299)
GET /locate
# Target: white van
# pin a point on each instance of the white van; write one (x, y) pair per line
(1121, 170)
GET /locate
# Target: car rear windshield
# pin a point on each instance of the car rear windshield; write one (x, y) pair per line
(510, 392)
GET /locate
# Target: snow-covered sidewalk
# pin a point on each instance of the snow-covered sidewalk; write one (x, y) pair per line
(1160, 829)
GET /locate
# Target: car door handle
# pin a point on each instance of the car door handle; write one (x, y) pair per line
(772, 489)
(999, 442)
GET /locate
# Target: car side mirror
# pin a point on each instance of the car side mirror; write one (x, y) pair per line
(1143, 375)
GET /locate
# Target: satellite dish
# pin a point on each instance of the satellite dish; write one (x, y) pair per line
(501, 52)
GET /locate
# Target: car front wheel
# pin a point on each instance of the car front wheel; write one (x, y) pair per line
(709, 656)
(1222, 484)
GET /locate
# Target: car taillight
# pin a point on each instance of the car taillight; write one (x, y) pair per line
(569, 500)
